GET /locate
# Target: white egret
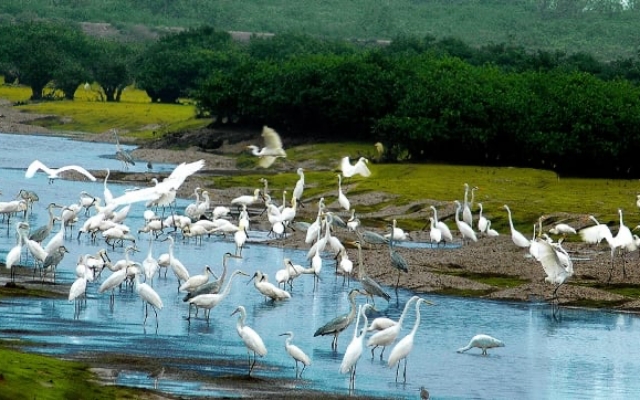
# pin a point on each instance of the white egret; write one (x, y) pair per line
(272, 148)
(240, 236)
(288, 273)
(465, 229)
(359, 168)
(299, 188)
(162, 191)
(622, 241)
(191, 210)
(557, 268)
(194, 281)
(296, 353)
(483, 342)
(482, 221)
(518, 238)
(268, 289)
(170, 260)
(53, 173)
(354, 350)
(114, 280)
(444, 228)
(13, 257)
(402, 349)
(387, 336)
(211, 300)
(251, 339)
(562, 229)
(149, 296)
(490, 231)
(353, 222)
(247, 200)
(435, 234)
(341, 322)
(595, 234)
(467, 216)
(343, 264)
(212, 287)
(342, 199)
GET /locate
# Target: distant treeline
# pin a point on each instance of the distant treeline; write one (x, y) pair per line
(424, 99)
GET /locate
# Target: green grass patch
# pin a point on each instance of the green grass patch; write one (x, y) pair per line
(627, 290)
(32, 376)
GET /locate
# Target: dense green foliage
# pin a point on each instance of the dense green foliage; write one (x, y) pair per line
(599, 27)
(423, 98)
(58, 56)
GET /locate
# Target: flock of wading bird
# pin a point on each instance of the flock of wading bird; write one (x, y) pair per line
(202, 218)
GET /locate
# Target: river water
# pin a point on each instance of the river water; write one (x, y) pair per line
(583, 354)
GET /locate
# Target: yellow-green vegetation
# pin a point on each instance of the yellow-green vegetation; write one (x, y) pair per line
(530, 193)
(32, 376)
(133, 116)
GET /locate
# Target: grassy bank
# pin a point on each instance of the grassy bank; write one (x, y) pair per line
(32, 376)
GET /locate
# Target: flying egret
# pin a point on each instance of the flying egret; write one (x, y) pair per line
(359, 168)
(354, 350)
(211, 300)
(483, 342)
(518, 238)
(402, 349)
(162, 191)
(53, 173)
(386, 337)
(464, 228)
(251, 339)
(341, 322)
(296, 353)
(272, 148)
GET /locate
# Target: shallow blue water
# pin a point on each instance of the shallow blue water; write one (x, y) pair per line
(583, 354)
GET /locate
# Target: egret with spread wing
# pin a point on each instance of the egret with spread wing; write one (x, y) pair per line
(53, 173)
(272, 148)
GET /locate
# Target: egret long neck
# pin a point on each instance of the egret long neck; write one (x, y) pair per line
(417, 323)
